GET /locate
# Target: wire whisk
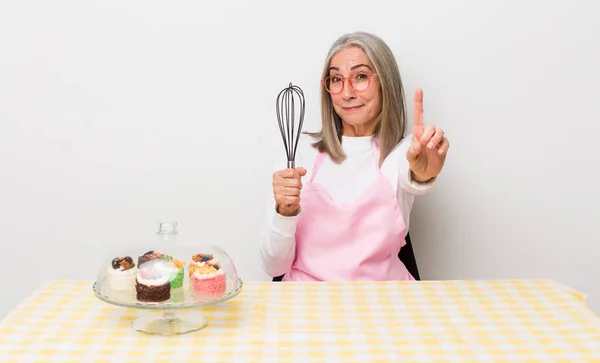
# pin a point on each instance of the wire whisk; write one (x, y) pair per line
(290, 121)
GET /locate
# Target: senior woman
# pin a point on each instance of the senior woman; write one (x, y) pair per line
(343, 213)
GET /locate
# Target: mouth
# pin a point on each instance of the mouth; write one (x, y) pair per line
(350, 109)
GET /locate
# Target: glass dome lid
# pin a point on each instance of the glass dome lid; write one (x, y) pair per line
(166, 273)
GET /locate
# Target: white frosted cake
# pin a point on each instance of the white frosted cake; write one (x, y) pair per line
(121, 274)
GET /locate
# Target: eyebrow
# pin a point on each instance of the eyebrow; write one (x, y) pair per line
(354, 67)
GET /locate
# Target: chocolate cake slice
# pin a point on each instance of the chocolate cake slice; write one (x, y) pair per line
(152, 284)
(153, 293)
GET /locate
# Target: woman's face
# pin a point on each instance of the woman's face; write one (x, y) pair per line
(357, 109)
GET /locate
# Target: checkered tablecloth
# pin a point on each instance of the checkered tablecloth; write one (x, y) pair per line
(446, 321)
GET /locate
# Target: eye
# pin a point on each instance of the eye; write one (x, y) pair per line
(335, 79)
(361, 76)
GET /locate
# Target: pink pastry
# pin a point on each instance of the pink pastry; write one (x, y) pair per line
(210, 284)
(207, 276)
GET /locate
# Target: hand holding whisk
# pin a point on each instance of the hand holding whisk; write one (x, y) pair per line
(290, 117)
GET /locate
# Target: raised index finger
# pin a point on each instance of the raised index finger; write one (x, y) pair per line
(418, 110)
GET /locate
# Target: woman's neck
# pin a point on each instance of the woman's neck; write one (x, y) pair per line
(357, 130)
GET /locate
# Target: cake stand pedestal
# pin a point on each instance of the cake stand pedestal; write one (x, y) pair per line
(168, 318)
(169, 323)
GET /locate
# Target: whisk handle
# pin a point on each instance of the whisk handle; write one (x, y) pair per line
(291, 164)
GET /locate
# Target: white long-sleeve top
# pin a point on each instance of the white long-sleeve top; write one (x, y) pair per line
(345, 182)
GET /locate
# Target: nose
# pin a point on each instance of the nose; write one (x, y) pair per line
(348, 92)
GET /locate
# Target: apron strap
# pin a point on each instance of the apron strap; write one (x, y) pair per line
(317, 166)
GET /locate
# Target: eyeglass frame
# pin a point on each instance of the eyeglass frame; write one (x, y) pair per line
(323, 81)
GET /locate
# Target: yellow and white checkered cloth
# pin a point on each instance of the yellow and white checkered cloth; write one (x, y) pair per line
(446, 321)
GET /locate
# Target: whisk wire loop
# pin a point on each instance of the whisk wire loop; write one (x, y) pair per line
(290, 121)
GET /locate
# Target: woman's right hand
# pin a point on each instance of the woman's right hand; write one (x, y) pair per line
(287, 185)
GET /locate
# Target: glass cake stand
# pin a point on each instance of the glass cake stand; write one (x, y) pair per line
(116, 284)
(169, 322)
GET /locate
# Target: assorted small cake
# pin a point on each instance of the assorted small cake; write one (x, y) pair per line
(158, 277)
(206, 275)
(152, 282)
(121, 273)
(175, 270)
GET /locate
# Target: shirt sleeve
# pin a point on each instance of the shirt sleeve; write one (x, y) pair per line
(278, 243)
(405, 180)
(277, 247)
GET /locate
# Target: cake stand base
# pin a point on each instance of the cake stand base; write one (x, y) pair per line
(169, 324)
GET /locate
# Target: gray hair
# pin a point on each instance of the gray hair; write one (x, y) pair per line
(390, 124)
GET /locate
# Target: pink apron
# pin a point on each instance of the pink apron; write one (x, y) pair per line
(349, 242)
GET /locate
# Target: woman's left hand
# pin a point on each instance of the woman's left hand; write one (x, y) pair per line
(429, 146)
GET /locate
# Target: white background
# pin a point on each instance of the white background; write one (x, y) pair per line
(114, 114)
